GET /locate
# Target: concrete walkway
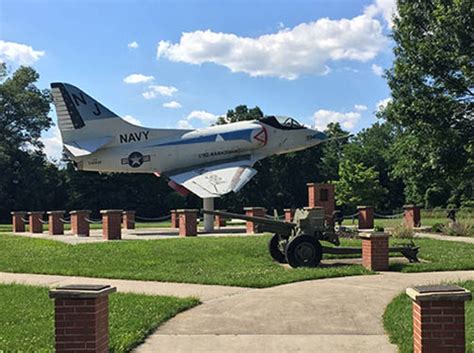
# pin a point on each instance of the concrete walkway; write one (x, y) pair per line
(332, 315)
(469, 240)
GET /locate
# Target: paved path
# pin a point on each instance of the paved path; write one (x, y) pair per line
(445, 237)
(332, 315)
(201, 291)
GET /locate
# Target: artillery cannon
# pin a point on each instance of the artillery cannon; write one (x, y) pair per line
(299, 242)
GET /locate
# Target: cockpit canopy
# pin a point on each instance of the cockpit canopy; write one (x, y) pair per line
(282, 122)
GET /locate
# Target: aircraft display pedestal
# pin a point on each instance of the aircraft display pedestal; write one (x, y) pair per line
(208, 205)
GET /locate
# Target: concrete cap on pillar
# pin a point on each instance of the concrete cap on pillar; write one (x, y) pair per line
(410, 206)
(124, 212)
(79, 211)
(53, 212)
(187, 210)
(448, 292)
(111, 211)
(313, 208)
(373, 235)
(253, 208)
(311, 184)
(18, 213)
(36, 212)
(81, 291)
(364, 207)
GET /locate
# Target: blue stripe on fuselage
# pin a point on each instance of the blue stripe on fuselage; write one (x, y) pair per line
(226, 136)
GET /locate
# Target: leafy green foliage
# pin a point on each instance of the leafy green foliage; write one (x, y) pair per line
(432, 82)
(358, 185)
(27, 318)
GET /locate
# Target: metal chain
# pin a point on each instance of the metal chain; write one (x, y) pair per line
(25, 220)
(157, 219)
(65, 221)
(43, 222)
(92, 221)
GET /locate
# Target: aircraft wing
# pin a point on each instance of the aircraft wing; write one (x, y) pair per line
(86, 147)
(216, 180)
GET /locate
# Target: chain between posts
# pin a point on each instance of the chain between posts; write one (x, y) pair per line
(88, 220)
(149, 219)
(25, 220)
(43, 222)
(65, 221)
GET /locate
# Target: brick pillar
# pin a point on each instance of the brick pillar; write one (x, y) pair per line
(174, 219)
(411, 216)
(253, 212)
(187, 222)
(219, 221)
(366, 217)
(18, 222)
(289, 213)
(56, 227)
(111, 224)
(375, 251)
(322, 195)
(81, 318)
(438, 318)
(35, 219)
(128, 219)
(79, 225)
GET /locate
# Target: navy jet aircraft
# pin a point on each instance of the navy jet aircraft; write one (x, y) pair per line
(209, 162)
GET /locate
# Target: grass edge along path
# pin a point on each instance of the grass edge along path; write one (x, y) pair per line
(27, 318)
(398, 322)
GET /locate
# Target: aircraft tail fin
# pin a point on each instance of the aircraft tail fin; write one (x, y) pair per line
(75, 108)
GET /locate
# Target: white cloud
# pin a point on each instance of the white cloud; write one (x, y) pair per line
(347, 120)
(205, 117)
(172, 105)
(156, 91)
(386, 8)
(19, 53)
(383, 103)
(137, 78)
(304, 49)
(360, 107)
(376, 69)
(132, 120)
(184, 124)
(53, 145)
(133, 45)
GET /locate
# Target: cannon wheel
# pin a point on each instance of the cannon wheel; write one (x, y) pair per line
(274, 249)
(304, 251)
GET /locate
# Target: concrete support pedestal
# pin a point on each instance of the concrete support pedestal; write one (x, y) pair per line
(35, 219)
(439, 318)
(253, 212)
(187, 222)
(208, 205)
(366, 217)
(411, 216)
(219, 221)
(56, 227)
(111, 224)
(79, 225)
(81, 318)
(128, 219)
(375, 251)
(18, 221)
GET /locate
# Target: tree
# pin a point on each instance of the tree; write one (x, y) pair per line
(333, 151)
(358, 185)
(240, 113)
(432, 85)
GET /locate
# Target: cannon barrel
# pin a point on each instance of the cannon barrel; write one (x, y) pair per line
(258, 220)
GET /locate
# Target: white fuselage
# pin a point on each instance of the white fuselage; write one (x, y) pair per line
(143, 150)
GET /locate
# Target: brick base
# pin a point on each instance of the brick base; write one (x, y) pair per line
(375, 251)
(55, 226)
(111, 224)
(253, 212)
(128, 219)
(35, 224)
(187, 222)
(79, 225)
(18, 222)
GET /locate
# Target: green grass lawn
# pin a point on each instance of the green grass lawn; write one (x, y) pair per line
(424, 221)
(166, 224)
(234, 261)
(27, 318)
(398, 321)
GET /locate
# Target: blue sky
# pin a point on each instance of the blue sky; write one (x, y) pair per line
(317, 61)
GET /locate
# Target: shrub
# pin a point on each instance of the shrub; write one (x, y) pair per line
(379, 228)
(402, 232)
(459, 230)
(437, 227)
